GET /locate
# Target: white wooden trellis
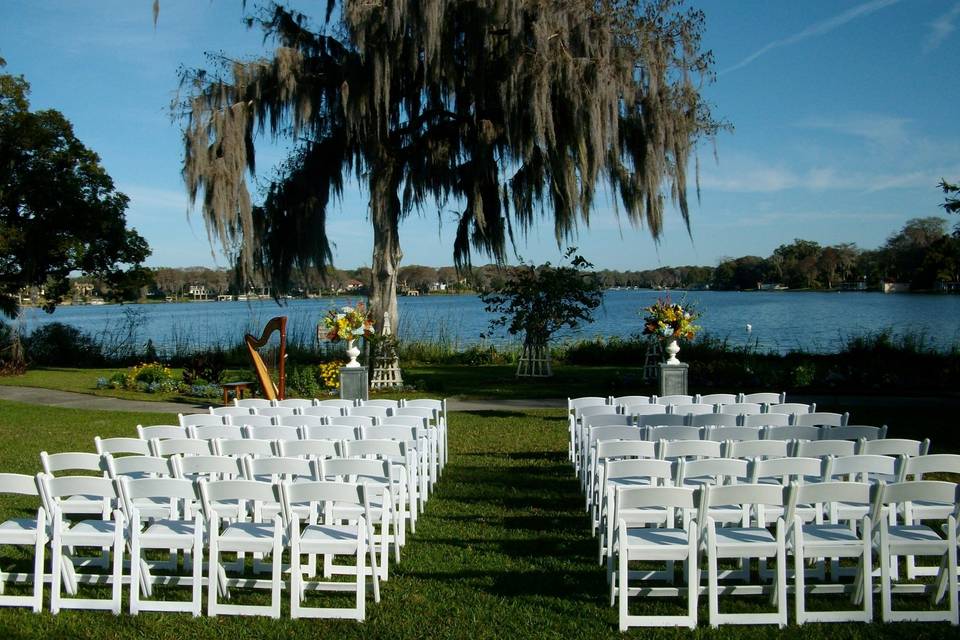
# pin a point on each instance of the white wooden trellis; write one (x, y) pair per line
(534, 361)
(652, 360)
(386, 367)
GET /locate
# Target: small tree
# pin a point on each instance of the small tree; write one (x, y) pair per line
(951, 200)
(539, 301)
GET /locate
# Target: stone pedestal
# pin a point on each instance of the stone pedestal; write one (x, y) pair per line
(672, 379)
(353, 383)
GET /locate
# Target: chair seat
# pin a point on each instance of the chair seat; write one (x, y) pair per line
(18, 531)
(319, 537)
(928, 510)
(739, 542)
(89, 532)
(655, 543)
(247, 536)
(168, 533)
(917, 538)
(821, 540)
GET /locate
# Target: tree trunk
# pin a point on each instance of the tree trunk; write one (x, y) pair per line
(385, 216)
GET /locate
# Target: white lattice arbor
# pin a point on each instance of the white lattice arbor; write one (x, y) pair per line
(386, 364)
(535, 361)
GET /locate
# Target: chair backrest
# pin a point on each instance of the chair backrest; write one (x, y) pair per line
(713, 420)
(595, 410)
(824, 448)
(274, 412)
(644, 409)
(113, 446)
(66, 486)
(917, 467)
(854, 432)
(674, 399)
(936, 491)
(277, 468)
(357, 470)
(301, 420)
(19, 484)
(406, 421)
(765, 420)
(209, 466)
(339, 403)
(791, 433)
(213, 431)
(254, 421)
(162, 432)
(309, 448)
(329, 432)
(694, 409)
(722, 434)
(742, 408)
(763, 397)
(295, 403)
(181, 446)
(821, 419)
(252, 403)
(177, 490)
(655, 434)
(749, 449)
(574, 404)
(745, 495)
(231, 411)
(613, 432)
(607, 420)
(396, 432)
(389, 404)
(371, 412)
(626, 401)
(139, 466)
(320, 493)
(321, 411)
(224, 492)
(275, 432)
(432, 416)
(661, 420)
(72, 461)
(440, 406)
(647, 497)
(609, 449)
(819, 494)
(717, 398)
(655, 471)
(353, 421)
(238, 448)
(894, 447)
(673, 449)
(202, 419)
(713, 471)
(861, 468)
(788, 469)
(791, 408)
(393, 450)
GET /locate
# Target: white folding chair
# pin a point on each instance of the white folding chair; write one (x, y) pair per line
(252, 403)
(674, 399)
(854, 432)
(106, 534)
(724, 434)
(296, 403)
(23, 532)
(717, 398)
(765, 420)
(379, 413)
(751, 539)
(792, 407)
(625, 401)
(254, 420)
(615, 450)
(238, 448)
(210, 468)
(915, 468)
(273, 432)
(328, 537)
(666, 432)
(392, 405)
(302, 421)
(791, 433)
(594, 435)
(227, 533)
(818, 541)
(741, 408)
(716, 471)
(214, 431)
(917, 539)
(714, 420)
(353, 421)
(417, 441)
(273, 412)
(440, 407)
(656, 544)
(763, 397)
(894, 447)
(824, 448)
(232, 411)
(181, 446)
(309, 449)
(174, 530)
(78, 503)
(343, 405)
(330, 432)
(693, 409)
(321, 411)
(436, 430)
(750, 449)
(676, 449)
(405, 476)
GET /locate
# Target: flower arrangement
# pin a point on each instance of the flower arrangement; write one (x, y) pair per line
(348, 323)
(670, 321)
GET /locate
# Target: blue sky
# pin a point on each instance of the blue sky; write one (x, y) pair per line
(845, 116)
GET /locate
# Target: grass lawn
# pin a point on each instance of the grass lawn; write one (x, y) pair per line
(503, 550)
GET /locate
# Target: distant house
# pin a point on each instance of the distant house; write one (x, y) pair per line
(438, 286)
(895, 287)
(198, 292)
(353, 285)
(948, 286)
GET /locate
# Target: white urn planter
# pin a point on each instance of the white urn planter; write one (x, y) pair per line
(353, 351)
(673, 349)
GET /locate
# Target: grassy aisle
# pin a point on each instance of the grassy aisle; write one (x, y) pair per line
(503, 550)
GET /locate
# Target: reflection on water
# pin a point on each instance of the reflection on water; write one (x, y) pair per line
(779, 321)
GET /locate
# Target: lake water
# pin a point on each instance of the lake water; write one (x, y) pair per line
(780, 321)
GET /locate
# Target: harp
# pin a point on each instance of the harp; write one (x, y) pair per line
(271, 391)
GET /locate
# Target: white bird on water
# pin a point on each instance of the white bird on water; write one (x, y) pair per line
(749, 328)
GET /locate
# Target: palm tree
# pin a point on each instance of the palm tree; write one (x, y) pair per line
(508, 109)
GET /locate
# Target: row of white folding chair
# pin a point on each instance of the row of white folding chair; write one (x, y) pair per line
(762, 398)
(225, 533)
(805, 540)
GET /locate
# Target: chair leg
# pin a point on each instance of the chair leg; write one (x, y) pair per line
(361, 584)
(623, 579)
(277, 575)
(117, 591)
(213, 569)
(56, 577)
(38, 567)
(134, 573)
(799, 586)
(781, 586)
(296, 576)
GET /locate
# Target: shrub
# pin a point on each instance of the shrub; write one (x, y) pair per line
(209, 366)
(58, 344)
(302, 382)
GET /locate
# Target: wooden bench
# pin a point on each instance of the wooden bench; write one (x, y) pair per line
(236, 387)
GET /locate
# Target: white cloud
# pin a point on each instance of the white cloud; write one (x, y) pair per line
(869, 126)
(818, 29)
(941, 28)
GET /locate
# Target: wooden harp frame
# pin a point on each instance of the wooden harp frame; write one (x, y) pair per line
(271, 391)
